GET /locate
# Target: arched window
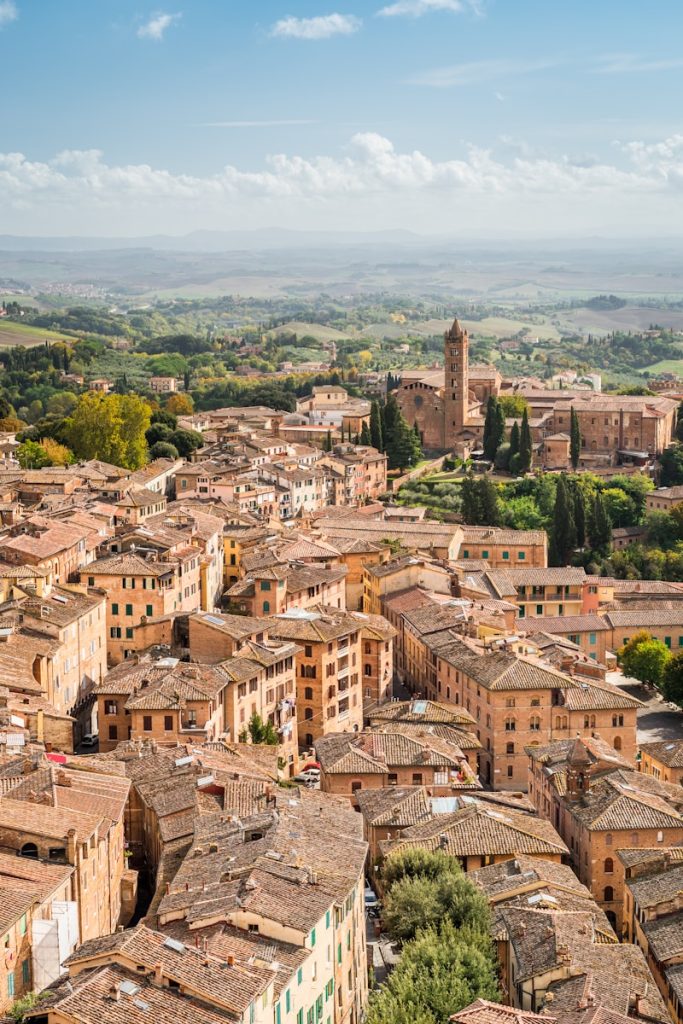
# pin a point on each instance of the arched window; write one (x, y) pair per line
(308, 714)
(617, 742)
(586, 722)
(609, 894)
(535, 723)
(509, 725)
(608, 839)
(29, 850)
(266, 607)
(510, 748)
(592, 721)
(308, 693)
(609, 866)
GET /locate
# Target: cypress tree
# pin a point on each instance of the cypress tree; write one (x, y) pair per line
(376, 439)
(500, 425)
(490, 430)
(514, 439)
(600, 526)
(392, 414)
(525, 445)
(574, 439)
(470, 501)
(365, 434)
(579, 513)
(489, 510)
(564, 527)
(327, 443)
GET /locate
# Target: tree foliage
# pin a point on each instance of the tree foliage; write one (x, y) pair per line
(109, 427)
(644, 658)
(574, 439)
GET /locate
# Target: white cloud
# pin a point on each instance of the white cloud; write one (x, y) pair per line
(418, 8)
(78, 190)
(321, 27)
(630, 63)
(156, 26)
(8, 12)
(473, 72)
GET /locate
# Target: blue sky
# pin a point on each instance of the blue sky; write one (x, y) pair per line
(478, 116)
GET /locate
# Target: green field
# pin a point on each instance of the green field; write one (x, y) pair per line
(667, 366)
(317, 331)
(24, 334)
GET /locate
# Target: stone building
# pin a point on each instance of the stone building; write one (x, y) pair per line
(449, 408)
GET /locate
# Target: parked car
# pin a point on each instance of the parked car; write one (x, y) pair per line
(89, 740)
(371, 901)
(310, 776)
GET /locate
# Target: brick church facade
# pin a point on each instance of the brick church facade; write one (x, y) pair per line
(449, 408)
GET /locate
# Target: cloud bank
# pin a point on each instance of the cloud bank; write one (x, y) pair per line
(321, 27)
(155, 28)
(411, 189)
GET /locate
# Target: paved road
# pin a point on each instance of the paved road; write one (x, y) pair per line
(656, 720)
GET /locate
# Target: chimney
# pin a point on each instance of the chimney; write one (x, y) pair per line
(230, 960)
(114, 994)
(158, 974)
(71, 846)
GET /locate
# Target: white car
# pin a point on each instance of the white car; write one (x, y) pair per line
(311, 775)
(371, 901)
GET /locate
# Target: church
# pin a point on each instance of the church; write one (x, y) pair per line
(449, 407)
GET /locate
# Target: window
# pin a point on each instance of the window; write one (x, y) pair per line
(356, 786)
(266, 607)
(484, 555)
(113, 732)
(393, 779)
(22, 925)
(608, 839)
(149, 610)
(506, 556)
(308, 650)
(617, 742)
(129, 609)
(592, 639)
(312, 938)
(539, 609)
(368, 670)
(147, 723)
(608, 894)
(299, 976)
(521, 555)
(111, 707)
(168, 722)
(115, 609)
(510, 770)
(510, 725)
(609, 865)
(265, 584)
(465, 553)
(10, 985)
(308, 714)
(91, 581)
(129, 632)
(667, 641)
(417, 778)
(26, 972)
(308, 693)
(509, 748)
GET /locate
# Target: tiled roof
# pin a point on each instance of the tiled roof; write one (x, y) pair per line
(378, 752)
(597, 695)
(397, 806)
(564, 623)
(669, 752)
(484, 1012)
(477, 829)
(501, 671)
(560, 576)
(127, 565)
(642, 618)
(652, 889)
(423, 712)
(665, 936)
(612, 804)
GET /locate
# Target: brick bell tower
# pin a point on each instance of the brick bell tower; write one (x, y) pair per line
(456, 385)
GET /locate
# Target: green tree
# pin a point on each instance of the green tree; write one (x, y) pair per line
(412, 862)
(579, 510)
(376, 426)
(671, 462)
(109, 427)
(261, 731)
(599, 527)
(163, 450)
(494, 428)
(672, 681)
(620, 508)
(421, 902)
(574, 439)
(32, 455)
(525, 444)
(514, 441)
(489, 506)
(403, 447)
(679, 423)
(365, 438)
(186, 441)
(471, 507)
(644, 658)
(157, 432)
(327, 443)
(563, 534)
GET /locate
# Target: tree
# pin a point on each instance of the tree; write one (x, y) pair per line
(620, 508)
(180, 405)
(579, 509)
(513, 406)
(413, 861)
(186, 441)
(671, 462)
(327, 443)
(679, 423)
(563, 534)
(157, 432)
(365, 438)
(261, 731)
(599, 527)
(376, 439)
(525, 444)
(421, 902)
(494, 428)
(32, 455)
(489, 508)
(109, 427)
(163, 450)
(574, 439)
(644, 658)
(672, 681)
(471, 508)
(166, 417)
(502, 459)
(514, 441)
(58, 454)
(403, 448)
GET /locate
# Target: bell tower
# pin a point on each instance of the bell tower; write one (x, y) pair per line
(456, 384)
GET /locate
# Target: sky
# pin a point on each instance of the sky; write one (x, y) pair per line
(461, 118)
